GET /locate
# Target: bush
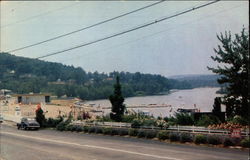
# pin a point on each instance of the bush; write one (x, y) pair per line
(149, 122)
(107, 131)
(185, 137)
(215, 140)
(228, 142)
(79, 129)
(98, 130)
(129, 118)
(151, 134)
(123, 132)
(174, 137)
(132, 132)
(240, 120)
(114, 131)
(136, 123)
(206, 120)
(91, 129)
(141, 133)
(86, 129)
(162, 135)
(200, 139)
(245, 142)
(53, 122)
(62, 125)
(68, 128)
(184, 119)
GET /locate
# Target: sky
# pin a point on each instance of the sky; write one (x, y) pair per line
(177, 46)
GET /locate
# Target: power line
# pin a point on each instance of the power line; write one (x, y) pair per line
(37, 16)
(130, 30)
(79, 30)
(157, 33)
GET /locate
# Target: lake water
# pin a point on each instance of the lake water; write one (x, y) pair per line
(201, 98)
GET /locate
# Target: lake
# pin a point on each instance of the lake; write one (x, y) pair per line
(202, 98)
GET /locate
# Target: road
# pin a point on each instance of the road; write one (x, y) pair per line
(55, 145)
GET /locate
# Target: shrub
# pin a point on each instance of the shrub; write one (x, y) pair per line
(62, 125)
(123, 132)
(151, 134)
(141, 133)
(174, 137)
(79, 129)
(98, 130)
(184, 119)
(215, 140)
(114, 131)
(86, 129)
(228, 142)
(107, 131)
(162, 135)
(132, 132)
(185, 137)
(136, 123)
(240, 120)
(129, 118)
(245, 142)
(200, 139)
(91, 129)
(149, 122)
(68, 128)
(53, 122)
(206, 120)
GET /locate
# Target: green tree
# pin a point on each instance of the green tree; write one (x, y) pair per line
(217, 106)
(117, 102)
(40, 118)
(233, 57)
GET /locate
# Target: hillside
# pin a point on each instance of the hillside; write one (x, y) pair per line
(24, 75)
(198, 80)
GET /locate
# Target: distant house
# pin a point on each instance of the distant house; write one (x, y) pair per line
(32, 98)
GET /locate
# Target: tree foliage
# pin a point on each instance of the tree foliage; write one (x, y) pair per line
(40, 118)
(117, 102)
(24, 75)
(233, 58)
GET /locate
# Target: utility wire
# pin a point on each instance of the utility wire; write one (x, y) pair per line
(79, 30)
(156, 33)
(36, 16)
(130, 30)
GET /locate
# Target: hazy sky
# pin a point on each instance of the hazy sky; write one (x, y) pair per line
(181, 45)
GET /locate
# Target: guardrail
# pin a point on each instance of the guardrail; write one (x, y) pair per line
(192, 129)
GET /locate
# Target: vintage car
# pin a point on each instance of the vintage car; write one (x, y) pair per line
(28, 123)
(1, 118)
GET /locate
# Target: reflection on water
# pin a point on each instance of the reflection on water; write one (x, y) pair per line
(202, 98)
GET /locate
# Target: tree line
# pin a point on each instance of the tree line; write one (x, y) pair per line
(25, 75)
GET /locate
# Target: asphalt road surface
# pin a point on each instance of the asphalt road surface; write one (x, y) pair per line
(55, 145)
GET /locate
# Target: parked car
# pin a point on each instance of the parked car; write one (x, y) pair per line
(1, 118)
(28, 123)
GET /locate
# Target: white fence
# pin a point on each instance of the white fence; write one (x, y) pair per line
(110, 124)
(192, 129)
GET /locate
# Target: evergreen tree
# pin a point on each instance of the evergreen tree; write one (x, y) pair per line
(117, 102)
(40, 118)
(233, 55)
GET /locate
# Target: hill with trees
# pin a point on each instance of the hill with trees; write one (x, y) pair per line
(199, 80)
(25, 75)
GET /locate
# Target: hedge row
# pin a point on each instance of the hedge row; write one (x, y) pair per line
(161, 135)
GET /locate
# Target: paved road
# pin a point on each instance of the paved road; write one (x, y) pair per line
(55, 145)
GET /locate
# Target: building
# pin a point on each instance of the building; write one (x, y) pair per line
(34, 98)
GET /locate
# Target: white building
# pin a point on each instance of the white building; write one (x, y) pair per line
(31, 98)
